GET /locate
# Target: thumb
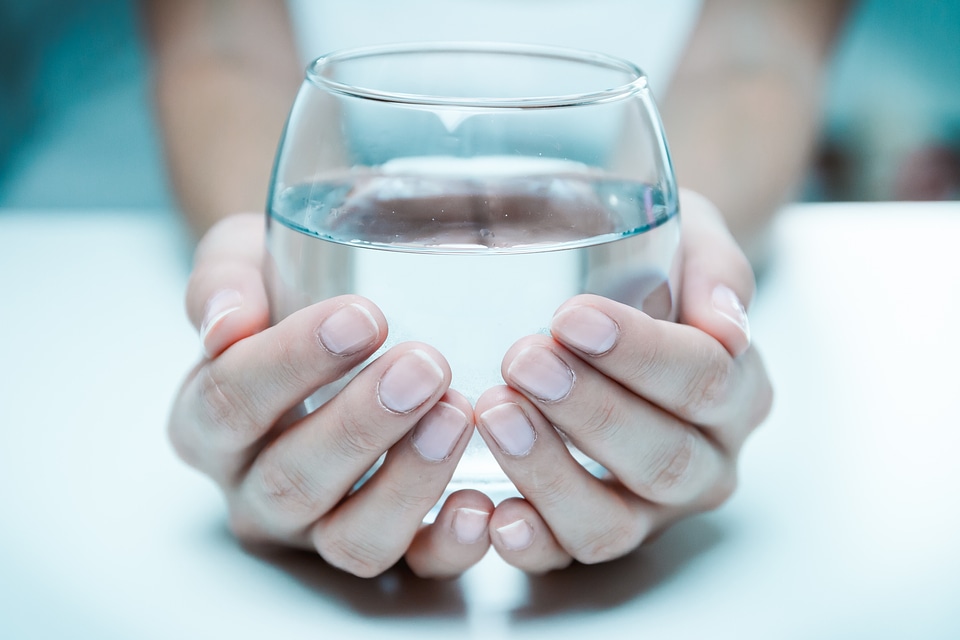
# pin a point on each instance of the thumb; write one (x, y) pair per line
(718, 282)
(226, 299)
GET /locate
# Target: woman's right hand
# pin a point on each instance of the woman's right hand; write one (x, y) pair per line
(290, 482)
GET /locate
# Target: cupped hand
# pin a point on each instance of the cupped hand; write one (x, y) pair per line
(664, 407)
(289, 478)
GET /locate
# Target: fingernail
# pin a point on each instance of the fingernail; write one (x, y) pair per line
(727, 304)
(219, 306)
(516, 535)
(586, 329)
(542, 373)
(348, 330)
(469, 525)
(438, 432)
(409, 381)
(510, 428)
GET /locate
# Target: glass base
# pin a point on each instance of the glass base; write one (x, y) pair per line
(478, 469)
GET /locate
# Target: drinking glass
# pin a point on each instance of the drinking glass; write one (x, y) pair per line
(469, 189)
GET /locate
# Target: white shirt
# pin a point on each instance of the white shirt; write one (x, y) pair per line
(650, 33)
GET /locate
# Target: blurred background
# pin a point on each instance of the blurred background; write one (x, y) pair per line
(76, 122)
(77, 131)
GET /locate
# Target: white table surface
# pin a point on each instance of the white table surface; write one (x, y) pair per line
(846, 525)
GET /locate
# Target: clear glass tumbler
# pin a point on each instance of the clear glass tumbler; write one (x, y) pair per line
(469, 189)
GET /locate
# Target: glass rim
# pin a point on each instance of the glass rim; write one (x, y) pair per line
(315, 75)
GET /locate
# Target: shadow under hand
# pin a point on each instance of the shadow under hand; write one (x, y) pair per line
(581, 588)
(398, 593)
(395, 593)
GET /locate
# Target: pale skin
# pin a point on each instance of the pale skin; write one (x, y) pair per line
(741, 112)
(666, 407)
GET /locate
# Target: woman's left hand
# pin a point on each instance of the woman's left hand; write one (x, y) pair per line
(665, 407)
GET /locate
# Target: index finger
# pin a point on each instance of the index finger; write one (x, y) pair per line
(676, 367)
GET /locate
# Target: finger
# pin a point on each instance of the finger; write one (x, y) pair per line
(652, 452)
(305, 472)
(524, 539)
(718, 281)
(233, 401)
(592, 520)
(456, 540)
(226, 299)
(676, 367)
(372, 529)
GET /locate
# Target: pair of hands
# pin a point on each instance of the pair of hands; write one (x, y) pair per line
(665, 407)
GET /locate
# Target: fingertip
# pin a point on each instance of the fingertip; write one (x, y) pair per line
(586, 328)
(735, 333)
(469, 516)
(460, 401)
(493, 399)
(427, 352)
(414, 373)
(349, 329)
(523, 539)
(717, 310)
(443, 433)
(493, 396)
(718, 280)
(218, 307)
(225, 297)
(469, 525)
(516, 535)
(456, 540)
(368, 306)
(439, 432)
(229, 315)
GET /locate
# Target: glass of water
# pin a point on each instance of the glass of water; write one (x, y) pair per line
(469, 189)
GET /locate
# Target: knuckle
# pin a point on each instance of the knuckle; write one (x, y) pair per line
(646, 365)
(708, 387)
(668, 468)
(413, 498)
(284, 488)
(603, 420)
(547, 490)
(291, 370)
(608, 543)
(224, 409)
(359, 556)
(355, 439)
